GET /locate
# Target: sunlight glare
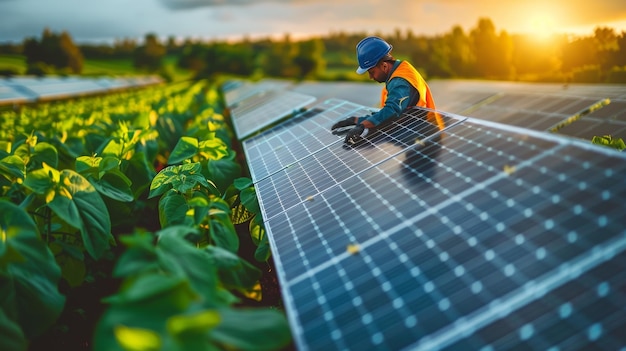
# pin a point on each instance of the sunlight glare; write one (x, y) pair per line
(542, 25)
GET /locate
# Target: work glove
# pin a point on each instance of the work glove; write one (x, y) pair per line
(350, 121)
(356, 134)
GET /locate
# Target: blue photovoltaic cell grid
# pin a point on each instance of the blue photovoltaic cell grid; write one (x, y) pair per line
(297, 138)
(489, 238)
(533, 111)
(333, 164)
(256, 112)
(607, 120)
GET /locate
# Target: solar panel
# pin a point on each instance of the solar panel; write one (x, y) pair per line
(24, 89)
(534, 111)
(298, 137)
(609, 119)
(236, 91)
(482, 236)
(259, 111)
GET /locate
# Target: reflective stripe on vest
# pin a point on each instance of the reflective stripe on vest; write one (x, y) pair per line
(406, 71)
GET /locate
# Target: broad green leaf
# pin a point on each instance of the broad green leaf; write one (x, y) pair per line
(78, 203)
(213, 149)
(186, 148)
(221, 227)
(242, 183)
(201, 204)
(5, 147)
(234, 272)
(114, 147)
(137, 339)
(263, 251)
(173, 209)
(108, 163)
(223, 233)
(257, 231)
(249, 199)
(23, 151)
(139, 171)
(114, 186)
(154, 289)
(87, 164)
(140, 256)
(194, 323)
(28, 263)
(12, 336)
(42, 180)
(252, 329)
(44, 153)
(144, 302)
(182, 178)
(223, 172)
(12, 167)
(195, 264)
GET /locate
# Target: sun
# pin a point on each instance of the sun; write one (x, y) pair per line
(541, 25)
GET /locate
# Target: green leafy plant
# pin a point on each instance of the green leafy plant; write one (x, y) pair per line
(609, 141)
(29, 298)
(159, 164)
(174, 297)
(246, 209)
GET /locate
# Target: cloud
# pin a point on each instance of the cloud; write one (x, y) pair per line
(191, 4)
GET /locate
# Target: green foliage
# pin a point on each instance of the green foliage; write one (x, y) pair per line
(75, 201)
(173, 298)
(84, 173)
(608, 141)
(29, 299)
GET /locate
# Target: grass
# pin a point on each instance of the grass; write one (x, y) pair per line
(98, 68)
(16, 63)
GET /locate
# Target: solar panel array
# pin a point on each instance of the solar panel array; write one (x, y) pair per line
(26, 89)
(254, 107)
(482, 236)
(581, 111)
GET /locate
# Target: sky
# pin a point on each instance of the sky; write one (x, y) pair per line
(109, 20)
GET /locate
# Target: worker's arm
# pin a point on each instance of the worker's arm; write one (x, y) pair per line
(400, 96)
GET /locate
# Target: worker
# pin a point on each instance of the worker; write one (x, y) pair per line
(404, 88)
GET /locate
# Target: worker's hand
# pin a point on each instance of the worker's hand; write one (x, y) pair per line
(350, 121)
(356, 134)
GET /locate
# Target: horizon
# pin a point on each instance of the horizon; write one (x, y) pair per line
(214, 20)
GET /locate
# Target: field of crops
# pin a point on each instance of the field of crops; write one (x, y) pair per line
(128, 223)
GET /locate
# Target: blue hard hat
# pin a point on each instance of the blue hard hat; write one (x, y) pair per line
(369, 51)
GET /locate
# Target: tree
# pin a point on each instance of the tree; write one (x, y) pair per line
(460, 57)
(578, 53)
(279, 61)
(53, 50)
(310, 59)
(492, 51)
(72, 56)
(607, 46)
(150, 55)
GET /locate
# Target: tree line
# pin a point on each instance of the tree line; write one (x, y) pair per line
(482, 52)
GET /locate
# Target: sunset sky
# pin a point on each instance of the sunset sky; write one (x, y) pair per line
(98, 21)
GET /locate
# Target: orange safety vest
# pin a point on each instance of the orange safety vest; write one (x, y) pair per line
(410, 74)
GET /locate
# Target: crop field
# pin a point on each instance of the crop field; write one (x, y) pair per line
(128, 223)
